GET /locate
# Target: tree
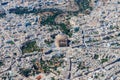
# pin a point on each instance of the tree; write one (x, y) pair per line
(25, 72)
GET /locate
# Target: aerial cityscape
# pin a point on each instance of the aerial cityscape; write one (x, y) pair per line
(59, 39)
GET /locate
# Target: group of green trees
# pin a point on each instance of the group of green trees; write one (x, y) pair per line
(45, 66)
(10, 42)
(25, 10)
(104, 60)
(29, 46)
(83, 5)
(25, 72)
(107, 37)
(1, 63)
(51, 21)
(2, 15)
(53, 63)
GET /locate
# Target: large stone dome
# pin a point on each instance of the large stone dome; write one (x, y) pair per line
(61, 40)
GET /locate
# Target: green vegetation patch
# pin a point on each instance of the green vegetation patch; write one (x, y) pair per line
(29, 46)
(81, 66)
(107, 37)
(49, 65)
(91, 40)
(115, 44)
(104, 60)
(51, 21)
(114, 27)
(10, 42)
(48, 42)
(118, 34)
(84, 5)
(96, 56)
(25, 10)
(22, 10)
(65, 29)
(25, 72)
(52, 78)
(76, 29)
(1, 63)
(54, 63)
(2, 15)
(96, 77)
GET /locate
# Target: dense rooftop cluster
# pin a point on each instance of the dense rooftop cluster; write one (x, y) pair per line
(59, 40)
